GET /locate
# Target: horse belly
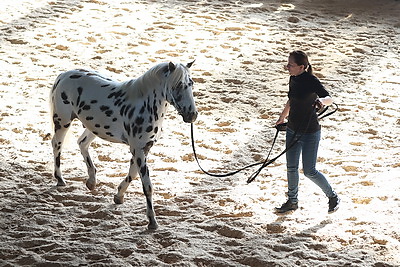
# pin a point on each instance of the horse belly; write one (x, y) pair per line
(101, 117)
(105, 128)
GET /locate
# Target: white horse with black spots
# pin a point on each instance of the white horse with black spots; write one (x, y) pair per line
(128, 112)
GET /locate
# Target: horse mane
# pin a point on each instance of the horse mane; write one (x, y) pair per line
(152, 79)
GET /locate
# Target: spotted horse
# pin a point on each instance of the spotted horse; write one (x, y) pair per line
(129, 112)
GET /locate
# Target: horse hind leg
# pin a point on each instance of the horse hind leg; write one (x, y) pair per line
(84, 141)
(61, 127)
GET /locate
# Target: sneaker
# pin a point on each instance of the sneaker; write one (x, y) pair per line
(333, 204)
(288, 206)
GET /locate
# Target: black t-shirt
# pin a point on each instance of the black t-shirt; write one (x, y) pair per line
(303, 91)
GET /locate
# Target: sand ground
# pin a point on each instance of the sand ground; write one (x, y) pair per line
(240, 48)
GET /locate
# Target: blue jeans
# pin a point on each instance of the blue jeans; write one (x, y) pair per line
(308, 147)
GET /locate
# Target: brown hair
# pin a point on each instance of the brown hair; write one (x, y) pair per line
(301, 58)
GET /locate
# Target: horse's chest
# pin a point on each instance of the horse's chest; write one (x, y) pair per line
(144, 123)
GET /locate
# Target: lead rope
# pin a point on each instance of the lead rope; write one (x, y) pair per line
(267, 161)
(214, 174)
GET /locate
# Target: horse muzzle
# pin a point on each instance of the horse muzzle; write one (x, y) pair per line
(190, 117)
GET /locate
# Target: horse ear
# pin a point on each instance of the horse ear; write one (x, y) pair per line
(171, 67)
(190, 64)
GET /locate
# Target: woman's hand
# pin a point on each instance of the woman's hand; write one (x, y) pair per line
(284, 113)
(280, 121)
(326, 101)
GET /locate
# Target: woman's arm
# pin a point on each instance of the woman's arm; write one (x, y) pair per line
(284, 113)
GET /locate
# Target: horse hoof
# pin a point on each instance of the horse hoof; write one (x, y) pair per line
(61, 183)
(118, 200)
(152, 227)
(91, 185)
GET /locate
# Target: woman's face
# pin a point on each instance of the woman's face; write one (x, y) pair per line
(293, 68)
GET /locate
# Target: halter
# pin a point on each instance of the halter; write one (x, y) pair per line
(267, 161)
(174, 102)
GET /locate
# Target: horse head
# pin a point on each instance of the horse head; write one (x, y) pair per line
(179, 93)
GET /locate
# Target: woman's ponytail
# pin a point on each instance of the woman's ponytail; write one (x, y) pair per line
(309, 69)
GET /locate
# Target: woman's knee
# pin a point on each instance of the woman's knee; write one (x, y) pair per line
(310, 173)
(292, 168)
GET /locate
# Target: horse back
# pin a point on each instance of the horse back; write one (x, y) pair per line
(93, 99)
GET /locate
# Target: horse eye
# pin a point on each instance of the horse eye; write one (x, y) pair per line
(179, 86)
(178, 98)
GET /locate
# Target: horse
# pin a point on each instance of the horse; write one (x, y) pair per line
(129, 112)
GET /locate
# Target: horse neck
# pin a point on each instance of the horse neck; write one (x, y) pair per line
(143, 86)
(152, 92)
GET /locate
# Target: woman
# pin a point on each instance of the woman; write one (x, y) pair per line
(305, 94)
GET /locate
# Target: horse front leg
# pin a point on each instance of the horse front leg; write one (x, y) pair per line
(119, 197)
(147, 188)
(138, 163)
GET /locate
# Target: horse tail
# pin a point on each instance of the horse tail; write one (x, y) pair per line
(52, 98)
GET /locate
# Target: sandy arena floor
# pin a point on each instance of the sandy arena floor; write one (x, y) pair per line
(240, 48)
